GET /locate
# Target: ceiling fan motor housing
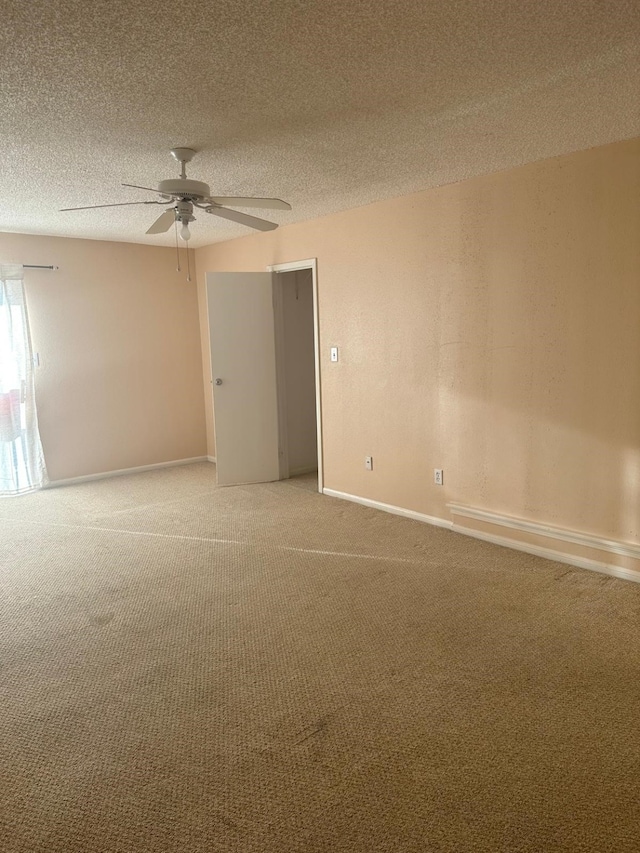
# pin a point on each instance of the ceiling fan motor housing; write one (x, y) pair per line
(184, 188)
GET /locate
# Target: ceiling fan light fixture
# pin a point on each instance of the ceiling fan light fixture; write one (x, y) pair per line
(184, 231)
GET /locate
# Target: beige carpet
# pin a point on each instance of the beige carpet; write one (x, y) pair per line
(265, 670)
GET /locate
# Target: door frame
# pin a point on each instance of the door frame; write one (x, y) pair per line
(293, 266)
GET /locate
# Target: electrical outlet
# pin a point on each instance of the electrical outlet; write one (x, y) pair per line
(368, 463)
(437, 476)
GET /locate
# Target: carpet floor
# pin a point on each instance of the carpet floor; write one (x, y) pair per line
(261, 669)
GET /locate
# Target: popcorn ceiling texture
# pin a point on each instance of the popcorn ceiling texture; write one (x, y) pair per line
(325, 104)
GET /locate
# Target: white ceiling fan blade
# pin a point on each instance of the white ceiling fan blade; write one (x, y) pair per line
(117, 204)
(239, 201)
(163, 222)
(242, 218)
(137, 187)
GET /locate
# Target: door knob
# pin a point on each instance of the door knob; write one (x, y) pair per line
(218, 381)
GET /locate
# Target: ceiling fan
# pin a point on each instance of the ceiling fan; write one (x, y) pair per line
(181, 195)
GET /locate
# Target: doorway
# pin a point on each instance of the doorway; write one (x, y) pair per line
(294, 322)
(265, 373)
(298, 279)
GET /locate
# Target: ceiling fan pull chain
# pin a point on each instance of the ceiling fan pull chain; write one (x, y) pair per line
(188, 265)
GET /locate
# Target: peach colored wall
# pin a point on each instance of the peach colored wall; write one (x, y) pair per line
(117, 329)
(490, 328)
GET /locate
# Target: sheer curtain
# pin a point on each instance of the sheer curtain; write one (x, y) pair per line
(22, 467)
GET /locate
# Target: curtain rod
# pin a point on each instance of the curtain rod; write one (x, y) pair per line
(39, 267)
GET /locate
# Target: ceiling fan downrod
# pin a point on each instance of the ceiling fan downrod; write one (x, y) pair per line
(183, 156)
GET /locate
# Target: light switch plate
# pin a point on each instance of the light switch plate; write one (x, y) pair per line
(334, 353)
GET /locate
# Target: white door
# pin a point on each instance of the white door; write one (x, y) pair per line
(243, 368)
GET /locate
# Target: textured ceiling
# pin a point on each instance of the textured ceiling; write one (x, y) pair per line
(326, 104)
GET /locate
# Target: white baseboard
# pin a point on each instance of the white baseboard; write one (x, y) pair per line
(551, 554)
(395, 510)
(551, 534)
(210, 459)
(52, 484)
(573, 537)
